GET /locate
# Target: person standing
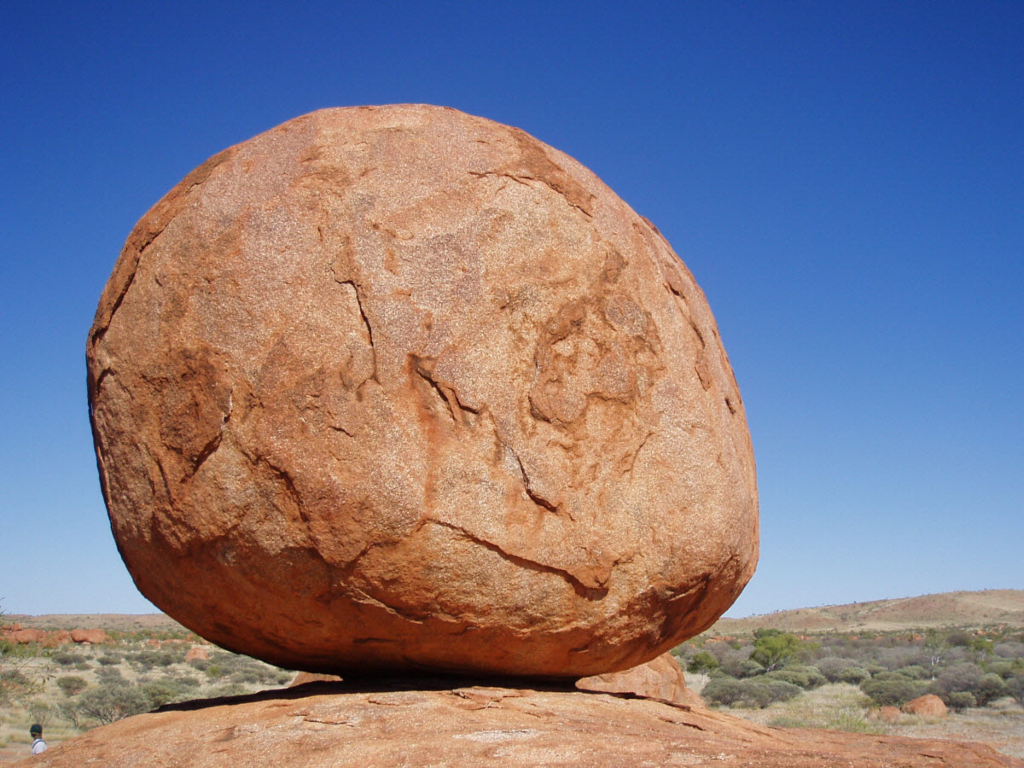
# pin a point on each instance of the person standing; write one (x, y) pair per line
(38, 745)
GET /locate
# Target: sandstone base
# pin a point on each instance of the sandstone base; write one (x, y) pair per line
(341, 724)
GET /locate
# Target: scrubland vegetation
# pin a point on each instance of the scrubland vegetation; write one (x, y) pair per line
(965, 669)
(72, 688)
(828, 680)
(840, 681)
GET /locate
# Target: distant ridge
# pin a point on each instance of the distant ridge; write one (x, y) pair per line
(119, 622)
(990, 607)
(948, 609)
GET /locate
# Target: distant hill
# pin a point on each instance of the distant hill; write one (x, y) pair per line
(120, 622)
(948, 609)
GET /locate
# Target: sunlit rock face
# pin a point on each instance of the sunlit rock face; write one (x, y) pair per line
(402, 388)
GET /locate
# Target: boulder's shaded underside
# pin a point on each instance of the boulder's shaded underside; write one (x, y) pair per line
(341, 724)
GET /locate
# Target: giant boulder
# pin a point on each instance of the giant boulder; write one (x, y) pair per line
(399, 387)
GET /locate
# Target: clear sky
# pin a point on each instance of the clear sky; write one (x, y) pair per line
(845, 180)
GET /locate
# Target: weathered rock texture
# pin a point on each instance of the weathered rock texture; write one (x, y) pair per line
(928, 705)
(92, 636)
(661, 679)
(396, 387)
(327, 724)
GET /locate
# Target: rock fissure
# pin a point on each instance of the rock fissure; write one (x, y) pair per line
(527, 562)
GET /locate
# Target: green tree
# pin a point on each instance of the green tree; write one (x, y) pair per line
(702, 663)
(773, 648)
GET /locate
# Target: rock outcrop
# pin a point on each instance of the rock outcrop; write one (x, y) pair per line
(197, 652)
(25, 636)
(336, 724)
(928, 705)
(91, 636)
(402, 388)
(661, 679)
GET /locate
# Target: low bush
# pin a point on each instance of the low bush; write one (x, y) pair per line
(40, 712)
(110, 702)
(66, 658)
(854, 675)
(110, 675)
(71, 684)
(758, 692)
(894, 692)
(914, 672)
(958, 701)
(229, 689)
(214, 672)
(1015, 686)
(166, 690)
(833, 666)
(989, 688)
(807, 678)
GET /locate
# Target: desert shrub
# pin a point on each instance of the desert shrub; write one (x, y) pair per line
(246, 676)
(894, 692)
(1009, 650)
(990, 688)
(885, 675)
(71, 684)
(874, 668)
(902, 656)
(807, 678)
(832, 666)
(958, 701)
(1015, 686)
(109, 702)
(1004, 669)
(82, 665)
(66, 658)
(70, 711)
(959, 638)
(914, 672)
(110, 675)
(13, 684)
(723, 690)
(151, 659)
(164, 691)
(109, 660)
(214, 672)
(959, 677)
(781, 690)
(40, 712)
(739, 667)
(854, 675)
(758, 693)
(228, 689)
(188, 681)
(200, 664)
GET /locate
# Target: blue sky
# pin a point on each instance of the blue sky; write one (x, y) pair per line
(845, 180)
